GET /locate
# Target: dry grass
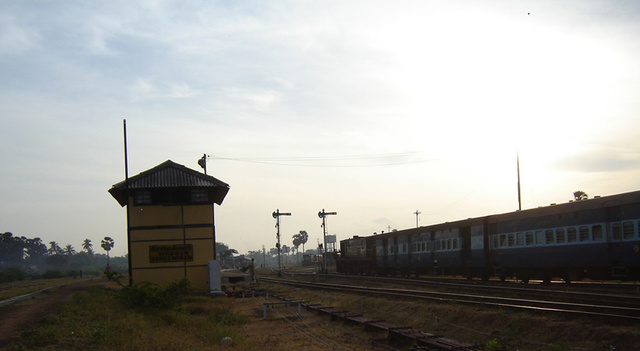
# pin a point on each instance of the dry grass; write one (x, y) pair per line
(97, 320)
(476, 325)
(8, 290)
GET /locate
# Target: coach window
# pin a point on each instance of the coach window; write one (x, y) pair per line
(503, 240)
(549, 236)
(584, 233)
(627, 230)
(520, 239)
(560, 238)
(596, 231)
(572, 235)
(616, 233)
(529, 237)
(539, 237)
(455, 244)
(511, 239)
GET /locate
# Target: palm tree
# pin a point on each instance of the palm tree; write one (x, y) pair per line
(54, 248)
(87, 246)
(301, 238)
(69, 250)
(107, 245)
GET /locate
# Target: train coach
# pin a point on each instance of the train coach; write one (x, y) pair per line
(595, 238)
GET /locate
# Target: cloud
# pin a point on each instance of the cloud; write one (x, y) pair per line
(607, 160)
(15, 39)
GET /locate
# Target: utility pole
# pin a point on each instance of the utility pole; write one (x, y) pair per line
(417, 214)
(519, 199)
(322, 214)
(202, 161)
(276, 214)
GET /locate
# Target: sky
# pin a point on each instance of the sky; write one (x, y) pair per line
(372, 109)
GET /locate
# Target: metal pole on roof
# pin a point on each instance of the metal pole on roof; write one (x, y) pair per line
(519, 199)
(203, 163)
(126, 182)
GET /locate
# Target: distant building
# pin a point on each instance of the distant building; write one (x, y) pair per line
(170, 223)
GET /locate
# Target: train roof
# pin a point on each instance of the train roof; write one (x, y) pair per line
(553, 209)
(572, 206)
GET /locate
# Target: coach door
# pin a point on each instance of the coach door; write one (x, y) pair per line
(613, 218)
(465, 245)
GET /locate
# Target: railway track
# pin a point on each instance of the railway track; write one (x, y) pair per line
(611, 307)
(560, 293)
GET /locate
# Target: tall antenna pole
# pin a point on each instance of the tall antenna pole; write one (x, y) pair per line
(126, 185)
(519, 198)
(417, 214)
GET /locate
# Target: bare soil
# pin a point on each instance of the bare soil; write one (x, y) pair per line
(283, 330)
(26, 314)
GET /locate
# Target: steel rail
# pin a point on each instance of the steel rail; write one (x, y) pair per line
(585, 297)
(522, 304)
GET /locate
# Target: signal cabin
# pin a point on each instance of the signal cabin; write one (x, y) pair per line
(170, 223)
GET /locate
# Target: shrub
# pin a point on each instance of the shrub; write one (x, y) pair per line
(12, 274)
(495, 345)
(51, 274)
(147, 294)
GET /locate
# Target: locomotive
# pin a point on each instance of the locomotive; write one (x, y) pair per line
(594, 238)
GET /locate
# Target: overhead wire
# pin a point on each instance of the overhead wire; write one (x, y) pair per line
(374, 160)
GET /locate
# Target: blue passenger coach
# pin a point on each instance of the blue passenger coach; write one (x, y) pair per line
(595, 238)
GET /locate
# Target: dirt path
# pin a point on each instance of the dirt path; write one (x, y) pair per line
(26, 314)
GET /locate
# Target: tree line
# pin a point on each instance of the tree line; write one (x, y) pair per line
(269, 257)
(31, 256)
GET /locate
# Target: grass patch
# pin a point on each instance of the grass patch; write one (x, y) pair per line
(487, 328)
(105, 319)
(17, 288)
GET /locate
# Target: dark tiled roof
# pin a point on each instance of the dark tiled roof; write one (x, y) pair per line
(169, 175)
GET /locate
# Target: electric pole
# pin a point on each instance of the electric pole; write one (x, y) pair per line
(417, 216)
(276, 214)
(202, 162)
(519, 198)
(322, 214)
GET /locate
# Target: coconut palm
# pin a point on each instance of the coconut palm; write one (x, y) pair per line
(69, 250)
(87, 246)
(54, 249)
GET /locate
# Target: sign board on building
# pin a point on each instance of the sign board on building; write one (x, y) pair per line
(170, 253)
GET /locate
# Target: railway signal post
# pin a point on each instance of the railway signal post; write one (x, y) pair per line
(322, 214)
(276, 214)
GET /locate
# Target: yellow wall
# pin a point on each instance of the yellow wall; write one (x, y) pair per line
(171, 225)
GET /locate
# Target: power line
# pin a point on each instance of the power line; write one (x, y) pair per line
(374, 160)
